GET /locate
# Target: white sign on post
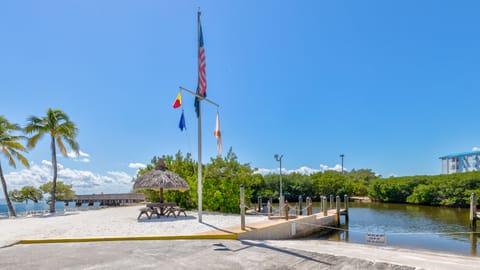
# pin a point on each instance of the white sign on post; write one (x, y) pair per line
(375, 238)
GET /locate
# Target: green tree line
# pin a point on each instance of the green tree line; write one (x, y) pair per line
(223, 176)
(452, 190)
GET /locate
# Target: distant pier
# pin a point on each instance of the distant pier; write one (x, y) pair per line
(110, 199)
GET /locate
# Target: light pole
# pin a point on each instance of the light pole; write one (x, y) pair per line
(279, 159)
(342, 155)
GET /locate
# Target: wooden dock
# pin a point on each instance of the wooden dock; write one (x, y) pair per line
(286, 225)
(111, 199)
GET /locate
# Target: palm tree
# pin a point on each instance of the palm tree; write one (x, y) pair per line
(58, 125)
(10, 147)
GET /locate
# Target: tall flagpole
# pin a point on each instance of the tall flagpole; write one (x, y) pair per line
(199, 98)
(199, 182)
(199, 123)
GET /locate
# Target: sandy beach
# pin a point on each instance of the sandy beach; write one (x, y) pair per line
(111, 222)
(122, 222)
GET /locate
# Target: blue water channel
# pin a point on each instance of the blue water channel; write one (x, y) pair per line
(408, 226)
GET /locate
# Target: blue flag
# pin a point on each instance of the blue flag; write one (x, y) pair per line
(182, 125)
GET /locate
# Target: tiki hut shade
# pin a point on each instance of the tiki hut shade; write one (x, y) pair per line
(162, 179)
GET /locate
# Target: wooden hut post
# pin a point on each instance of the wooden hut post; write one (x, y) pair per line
(473, 212)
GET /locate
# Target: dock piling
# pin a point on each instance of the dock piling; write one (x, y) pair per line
(259, 204)
(324, 205)
(269, 208)
(338, 209)
(473, 212)
(309, 206)
(300, 199)
(331, 202)
(287, 208)
(346, 207)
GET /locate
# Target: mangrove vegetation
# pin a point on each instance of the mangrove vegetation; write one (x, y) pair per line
(223, 176)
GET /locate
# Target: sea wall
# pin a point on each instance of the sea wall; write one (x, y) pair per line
(294, 228)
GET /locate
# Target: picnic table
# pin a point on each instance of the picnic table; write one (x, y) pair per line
(161, 209)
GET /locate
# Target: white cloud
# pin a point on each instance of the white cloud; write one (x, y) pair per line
(302, 170)
(137, 165)
(73, 154)
(337, 168)
(49, 164)
(476, 148)
(83, 182)
(263, 171)
(79, 157)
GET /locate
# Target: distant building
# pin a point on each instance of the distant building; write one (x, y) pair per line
(461, 162)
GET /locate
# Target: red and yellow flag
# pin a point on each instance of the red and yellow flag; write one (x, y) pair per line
(178, 101)
(218, 135)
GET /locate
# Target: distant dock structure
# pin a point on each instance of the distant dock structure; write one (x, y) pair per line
(461, 162)
(110, 199)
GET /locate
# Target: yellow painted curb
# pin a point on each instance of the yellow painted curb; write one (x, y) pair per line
(129, 238)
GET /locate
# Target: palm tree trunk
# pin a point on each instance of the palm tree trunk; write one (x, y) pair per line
(7, 198)
(54, 185)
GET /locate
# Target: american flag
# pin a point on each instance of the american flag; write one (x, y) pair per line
(202, 76)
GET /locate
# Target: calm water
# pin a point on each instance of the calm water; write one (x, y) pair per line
(21, 208)
(409, 226)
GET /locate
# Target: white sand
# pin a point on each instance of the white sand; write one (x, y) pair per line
(119, 221)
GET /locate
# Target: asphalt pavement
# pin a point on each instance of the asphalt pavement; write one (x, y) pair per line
(176, 254)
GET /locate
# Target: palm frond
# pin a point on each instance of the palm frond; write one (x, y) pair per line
(61, 146)
(9, 143)
(73, 144)
(20, 157)
(11, 161)
(58, 125)
(32, 142)
(34, 124)
(14, 145)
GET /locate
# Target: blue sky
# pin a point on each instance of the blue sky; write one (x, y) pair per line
(392, 85)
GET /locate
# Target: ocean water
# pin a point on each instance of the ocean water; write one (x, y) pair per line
(22, 208)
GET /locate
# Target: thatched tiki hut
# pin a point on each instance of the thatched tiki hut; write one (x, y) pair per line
(160, 178)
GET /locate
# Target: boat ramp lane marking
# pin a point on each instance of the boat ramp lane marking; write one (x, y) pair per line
(376, 238)
(231, 236)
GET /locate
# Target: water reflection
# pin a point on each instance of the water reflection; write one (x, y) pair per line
(473, 238)
(410, 226)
